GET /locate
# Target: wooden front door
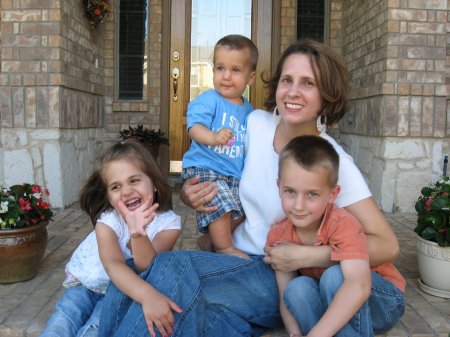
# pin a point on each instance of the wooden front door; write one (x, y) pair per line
(195, 27)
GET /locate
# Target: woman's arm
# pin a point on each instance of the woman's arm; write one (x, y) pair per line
(383, 244)
(195, 194)
(288, 257)
(157, 308)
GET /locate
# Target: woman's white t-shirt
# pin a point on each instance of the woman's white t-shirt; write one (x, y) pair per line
(258, 190)
(85, 266)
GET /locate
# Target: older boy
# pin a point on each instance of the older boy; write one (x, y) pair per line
(343, 300)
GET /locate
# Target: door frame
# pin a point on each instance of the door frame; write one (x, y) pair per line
(266, 19)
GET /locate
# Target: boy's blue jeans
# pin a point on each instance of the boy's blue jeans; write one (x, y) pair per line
(308, 299)
(220, 296)
(77, 314)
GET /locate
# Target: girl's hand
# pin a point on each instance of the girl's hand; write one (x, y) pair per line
(196, 195)
(158, 311)
(138, 220)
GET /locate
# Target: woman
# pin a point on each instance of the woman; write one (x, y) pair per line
(227, 296)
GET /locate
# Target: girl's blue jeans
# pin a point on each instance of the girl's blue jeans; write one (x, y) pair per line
(77, 314)
(307, 299)
(220, 296)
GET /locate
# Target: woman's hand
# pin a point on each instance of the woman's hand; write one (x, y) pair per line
(287, 257)
(158, 311)
(195, 194)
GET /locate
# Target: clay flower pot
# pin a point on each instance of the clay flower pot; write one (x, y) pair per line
(21, 252)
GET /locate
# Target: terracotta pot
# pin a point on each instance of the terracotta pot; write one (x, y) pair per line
(434, 268)
(21, 251)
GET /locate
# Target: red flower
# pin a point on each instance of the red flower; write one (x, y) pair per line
(428, 203)
(24, 204)
(36, 189)
(97, 12)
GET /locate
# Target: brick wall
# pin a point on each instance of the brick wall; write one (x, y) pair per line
(51, 96)
(397, 130)
(121, 114)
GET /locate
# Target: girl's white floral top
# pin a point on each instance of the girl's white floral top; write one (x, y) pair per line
(85, 267)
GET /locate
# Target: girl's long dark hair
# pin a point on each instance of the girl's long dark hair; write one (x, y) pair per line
(94, 195)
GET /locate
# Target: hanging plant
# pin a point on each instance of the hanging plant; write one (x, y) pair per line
(97, 11)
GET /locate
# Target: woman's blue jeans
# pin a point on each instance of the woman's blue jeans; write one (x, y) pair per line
(307, 299)
(220, 296)
(77, 314)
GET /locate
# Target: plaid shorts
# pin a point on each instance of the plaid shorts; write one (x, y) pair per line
(227, 198)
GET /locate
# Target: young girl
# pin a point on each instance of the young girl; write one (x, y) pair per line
(129, 202)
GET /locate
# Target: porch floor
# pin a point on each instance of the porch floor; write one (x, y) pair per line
(26, 306)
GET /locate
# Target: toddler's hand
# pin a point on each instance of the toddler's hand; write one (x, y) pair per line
(223, 136)
(138, 220)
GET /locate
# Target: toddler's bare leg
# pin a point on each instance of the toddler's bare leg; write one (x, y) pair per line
(204, 242)
(220, 234)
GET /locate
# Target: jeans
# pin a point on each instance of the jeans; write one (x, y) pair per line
(77, 314)
(308, 299)
(220, 295)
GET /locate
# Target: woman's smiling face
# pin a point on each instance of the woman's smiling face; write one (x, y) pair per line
(298, 98)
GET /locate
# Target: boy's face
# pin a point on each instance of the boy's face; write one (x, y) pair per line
(232, 72)
(305, 194)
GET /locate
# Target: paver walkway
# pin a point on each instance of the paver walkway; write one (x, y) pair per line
(26, 306)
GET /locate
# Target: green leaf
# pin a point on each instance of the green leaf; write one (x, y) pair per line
(429, 233)
(426, 191)
(440, 239)
(440, 203)
(420, 206)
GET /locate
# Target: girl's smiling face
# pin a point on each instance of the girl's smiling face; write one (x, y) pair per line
(127, 182)
(298, 98)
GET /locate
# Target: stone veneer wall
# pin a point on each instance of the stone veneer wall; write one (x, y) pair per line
(398, 130)
(51, 96)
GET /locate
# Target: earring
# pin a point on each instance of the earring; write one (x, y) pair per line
(276, 115)
(321, 127)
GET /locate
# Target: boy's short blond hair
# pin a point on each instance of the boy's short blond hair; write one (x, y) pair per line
(310, 152)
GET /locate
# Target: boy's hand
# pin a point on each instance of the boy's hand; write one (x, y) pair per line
(158, 311)
(223, 136)
(138, 220)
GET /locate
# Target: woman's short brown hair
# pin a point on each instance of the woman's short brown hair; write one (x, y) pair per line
(331, 75)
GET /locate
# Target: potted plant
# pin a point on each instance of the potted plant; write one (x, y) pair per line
(149, 137)
(24, 215)
(433, 229)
